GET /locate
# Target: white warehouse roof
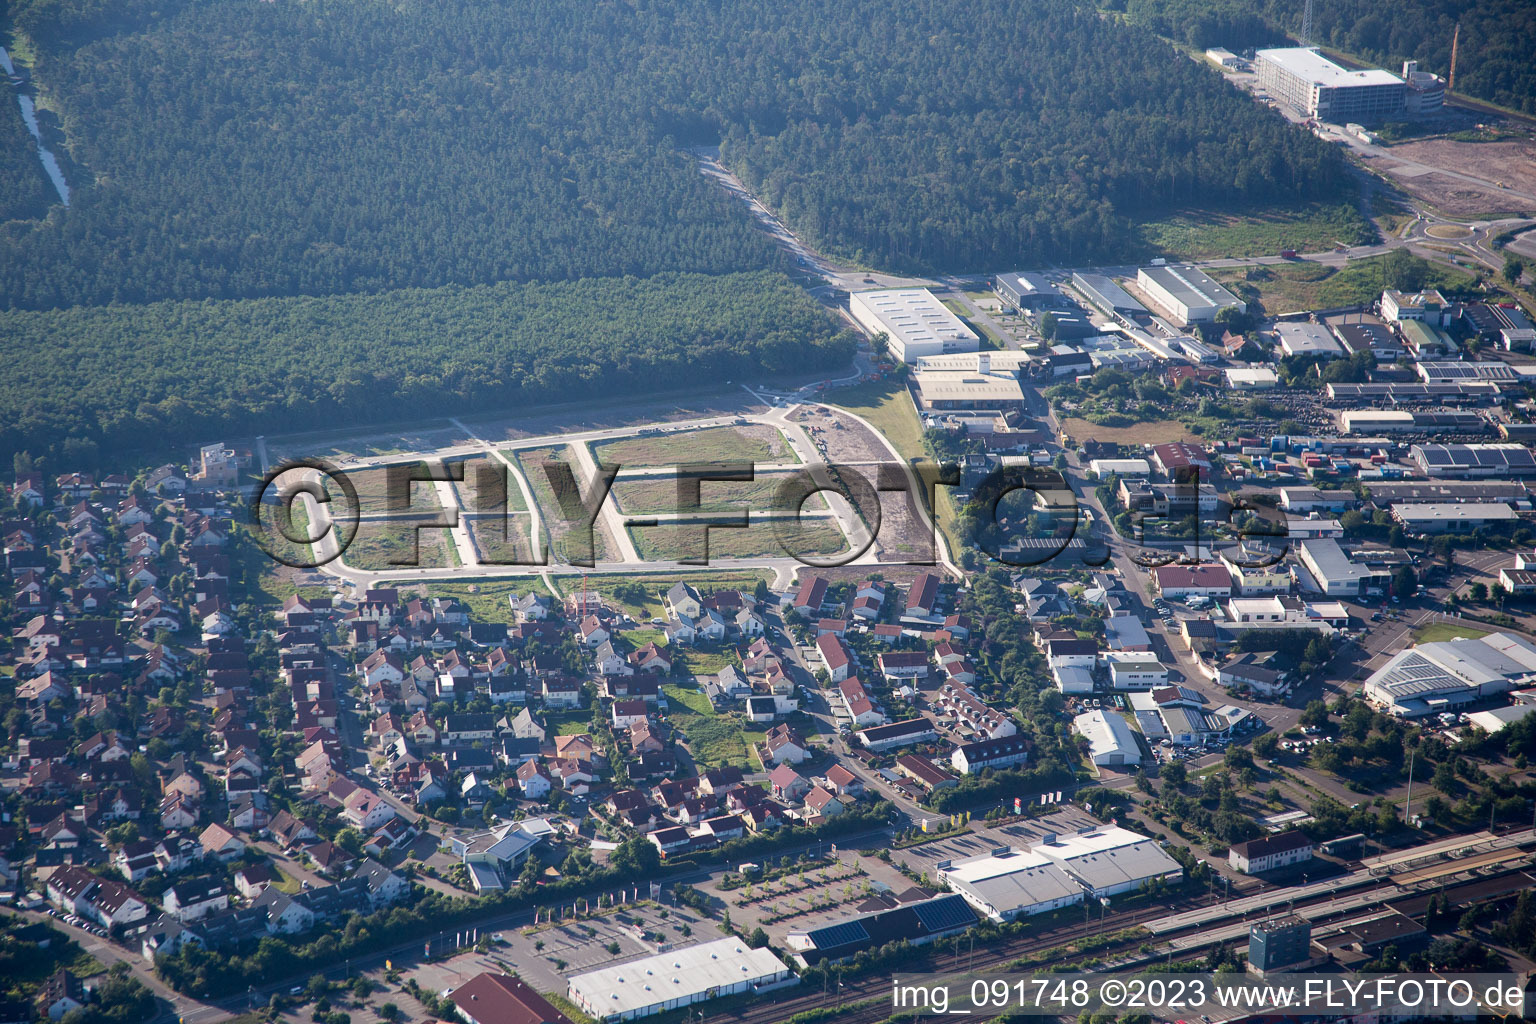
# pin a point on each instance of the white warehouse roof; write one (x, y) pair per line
(1108, 735)
(914, 320)
(1110, 859)
(1008, 883)
(1311, 66)
(673, 978)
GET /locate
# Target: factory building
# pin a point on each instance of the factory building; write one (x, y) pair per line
(1432, 678)
(1110, 860)
(1007, 884)
(914, 322)
(1106, 295)
(1187, 293)
(1026, 291)
(1473, 460)
(982, 388)
(678, 977)
(1312, 84)
(1308, 340)
(1457, 517)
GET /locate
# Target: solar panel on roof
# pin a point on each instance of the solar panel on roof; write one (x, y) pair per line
(942, 914)
(839, 934)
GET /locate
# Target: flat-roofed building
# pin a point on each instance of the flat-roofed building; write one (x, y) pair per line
(1188, 293)
(678, 977)
(1307, 339)
(1102, 292)
(939, 390)
(1453, 517)
(1008, 883)
(1427, 307)
(914, 322)
(1120, 467)
(1110, 860)
(1374, 422)
(1315, 86)
(1336, 574)
(1372, 337)
(1026, 291)
(1251, 378)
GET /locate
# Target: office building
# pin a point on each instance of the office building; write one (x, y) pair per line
(914, 322)
(1315, 86)
(1020, 291)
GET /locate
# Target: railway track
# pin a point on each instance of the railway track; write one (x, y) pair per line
(877, 986)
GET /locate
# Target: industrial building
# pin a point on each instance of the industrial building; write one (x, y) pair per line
(1427, 307)
(1448, 490)
(1106, 295)
(1102, 468)
(1188, 293)
(1110, 740)
(1007, 884)
(981, 388)
(1110, 860)
(914, 322)
(1376, 422)
(1451, 372)
(1458, 517)
(1431, 678)
(1474, 392)
(1308, 339)
(1019, 291)
(1338, 575)
(1251, 378)
(1315, 86)
(1368, 336)
(915, 915)
(1503, 459)
(1010, 360)
(678, 977)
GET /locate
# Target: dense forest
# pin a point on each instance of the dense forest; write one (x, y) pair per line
(24, 188)
(1496, 60)
(239, 148)
(179, 370)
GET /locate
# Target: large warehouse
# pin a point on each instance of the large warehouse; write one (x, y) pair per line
(1317, 87)
(1006, 884)
(1473, 460)
(1110, 860)
(1188, 293)
(1441, 676)
(678, 977)
(1110, 740)
(914, 322)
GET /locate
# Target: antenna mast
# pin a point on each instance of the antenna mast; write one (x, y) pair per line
(1306, 26)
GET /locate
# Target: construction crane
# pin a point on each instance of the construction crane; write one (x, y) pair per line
(1450, 84)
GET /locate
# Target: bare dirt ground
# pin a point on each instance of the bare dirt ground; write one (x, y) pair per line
(574, 419)
(1511, 162)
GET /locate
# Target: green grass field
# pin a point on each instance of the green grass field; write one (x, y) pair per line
(1199, 235)
(1437, 631)
(487, 600)
(754, 443)
(716, 740)
(502, 541)
(1297, 286)
(688, 696)
(887, 405)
